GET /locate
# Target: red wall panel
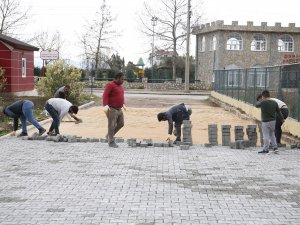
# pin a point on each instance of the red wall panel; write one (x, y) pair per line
(11, 61)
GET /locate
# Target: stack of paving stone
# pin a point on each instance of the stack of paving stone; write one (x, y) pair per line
(213, 134)
(238, 137)
(187, 132)
(226, 135)
(252, 135)
(238, 133)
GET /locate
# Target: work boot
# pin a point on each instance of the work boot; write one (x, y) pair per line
(22, 134)
(113, 145)
(264, 152)
(41, 131)
(51, 133)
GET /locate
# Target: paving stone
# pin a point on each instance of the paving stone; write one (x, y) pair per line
(90, 183)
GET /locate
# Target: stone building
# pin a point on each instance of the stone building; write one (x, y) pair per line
(228, 47)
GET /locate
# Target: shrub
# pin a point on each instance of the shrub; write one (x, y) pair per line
(60, 74)
(2, 80)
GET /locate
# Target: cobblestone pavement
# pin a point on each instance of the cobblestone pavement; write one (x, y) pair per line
(87, 183)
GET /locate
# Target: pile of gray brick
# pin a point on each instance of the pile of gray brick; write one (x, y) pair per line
(252, 135)
(226, 139)
(187, 132)
(238, 133)
(213, 134)
(60, 138)
(239, 142)
(133, 142)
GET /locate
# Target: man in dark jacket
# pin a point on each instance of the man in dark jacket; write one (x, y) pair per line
(22, 109)
(63, 92)
(176, 114)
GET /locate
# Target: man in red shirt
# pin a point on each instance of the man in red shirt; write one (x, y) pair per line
(113, 102)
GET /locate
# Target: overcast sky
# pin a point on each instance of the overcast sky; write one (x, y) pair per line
(68, 16)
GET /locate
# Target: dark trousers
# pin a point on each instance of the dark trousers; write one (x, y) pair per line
(55, 117)
(278, 131)
(115, 122)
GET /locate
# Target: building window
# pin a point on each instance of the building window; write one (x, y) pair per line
(258, 77)
(213, 44)
(23, 67)
(234, 42)
(203, 44)
(235, 78)
(285, 43)
(258, 43)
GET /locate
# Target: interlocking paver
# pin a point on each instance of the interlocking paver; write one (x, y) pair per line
(88, 183)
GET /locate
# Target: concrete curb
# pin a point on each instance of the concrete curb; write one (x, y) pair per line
(43, 122)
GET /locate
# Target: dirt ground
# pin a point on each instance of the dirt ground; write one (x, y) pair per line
(141, 120)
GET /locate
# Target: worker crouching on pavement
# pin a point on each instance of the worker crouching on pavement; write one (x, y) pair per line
(176, 114)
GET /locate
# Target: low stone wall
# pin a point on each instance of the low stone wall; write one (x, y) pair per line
(166, 86)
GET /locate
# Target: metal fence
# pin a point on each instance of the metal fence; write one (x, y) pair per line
(283, 82)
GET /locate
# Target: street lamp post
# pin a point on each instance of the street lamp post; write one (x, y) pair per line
(154, 23)
(187, 60)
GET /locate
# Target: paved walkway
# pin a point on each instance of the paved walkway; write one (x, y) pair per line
(87, 183)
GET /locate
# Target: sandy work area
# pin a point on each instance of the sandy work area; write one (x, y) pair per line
(141, 120)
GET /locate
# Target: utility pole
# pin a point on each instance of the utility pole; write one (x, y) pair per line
(154, 23)
(187, 59)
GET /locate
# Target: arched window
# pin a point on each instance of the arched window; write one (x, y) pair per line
(234, 42)
(285, 43)
(213, 43)
(203, 44)
(258, 43)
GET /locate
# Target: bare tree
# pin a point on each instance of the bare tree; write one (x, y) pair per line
(44, 40)
(97, 36)
(12, 16)
(171, 25)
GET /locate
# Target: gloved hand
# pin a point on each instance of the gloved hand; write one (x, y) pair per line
(106, 109)
(124, 107)
(78, 121)
(168, 139)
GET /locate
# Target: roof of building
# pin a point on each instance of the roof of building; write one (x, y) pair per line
(17, 44)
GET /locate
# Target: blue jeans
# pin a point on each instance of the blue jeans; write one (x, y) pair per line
(27, 110)
(55, 118)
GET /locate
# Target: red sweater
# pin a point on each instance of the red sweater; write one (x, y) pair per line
(113, 95)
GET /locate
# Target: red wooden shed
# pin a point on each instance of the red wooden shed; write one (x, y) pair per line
(17, 59)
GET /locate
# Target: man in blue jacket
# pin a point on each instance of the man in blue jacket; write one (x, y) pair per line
(176, 114)
(22, 109)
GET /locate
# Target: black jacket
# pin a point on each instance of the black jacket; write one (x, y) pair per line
(15, 111)
(177, 114)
